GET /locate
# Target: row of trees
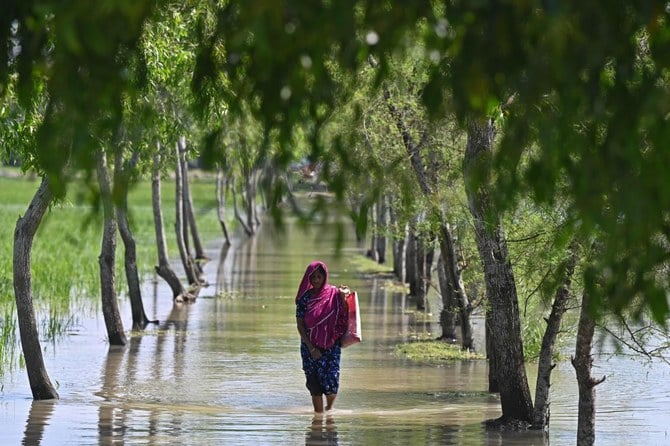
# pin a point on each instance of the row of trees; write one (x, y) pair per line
(520, 119)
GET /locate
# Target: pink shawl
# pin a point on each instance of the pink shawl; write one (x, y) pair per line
(326, 316)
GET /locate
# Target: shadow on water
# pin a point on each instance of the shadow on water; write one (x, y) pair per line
(226, 370)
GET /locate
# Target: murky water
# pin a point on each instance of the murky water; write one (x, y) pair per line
(226, 370)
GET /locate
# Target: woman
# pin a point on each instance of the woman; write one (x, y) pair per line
(321, 315)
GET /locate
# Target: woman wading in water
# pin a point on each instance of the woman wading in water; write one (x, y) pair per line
(322, 316)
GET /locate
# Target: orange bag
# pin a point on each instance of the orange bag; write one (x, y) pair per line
(353, 333)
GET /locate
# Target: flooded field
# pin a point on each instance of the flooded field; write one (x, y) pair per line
(226, 370)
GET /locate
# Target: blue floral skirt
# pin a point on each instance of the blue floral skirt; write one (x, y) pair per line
(323, 374)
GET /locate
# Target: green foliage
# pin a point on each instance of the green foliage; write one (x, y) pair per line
(580, 93)
(82, 50)
(595, 100)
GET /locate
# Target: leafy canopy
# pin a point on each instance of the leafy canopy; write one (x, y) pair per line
(583, 83)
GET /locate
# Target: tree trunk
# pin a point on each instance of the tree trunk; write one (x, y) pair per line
(429, 256)
(180, 223)
(221, 188)
(24, 234)
(248, 198)
(455, 283)
(399, 237)
(541, 410)
(356, 205)
(188, 203)
(382, 222)
(410, 258)
(140, 319)
(373, 253)
(583, 362)
(448, 313)
(420, 288)
(504, 316)
(491, 355)
(163, 269)
(247, 230)
(254, 193)
(400, 256)
(110, 306)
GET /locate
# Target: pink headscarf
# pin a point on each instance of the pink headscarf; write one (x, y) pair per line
(326, 316)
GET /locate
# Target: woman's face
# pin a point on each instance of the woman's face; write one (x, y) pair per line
(317, 278)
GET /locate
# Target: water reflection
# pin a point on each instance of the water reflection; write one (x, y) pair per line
(38, 418)
(222, 285)
(322, 431)
(111, 418)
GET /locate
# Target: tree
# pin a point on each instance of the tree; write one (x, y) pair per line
(26, 227)
(502, 318)
(122, 176)
(107, 258)
(181, 219)
(545, 364)
(583, 362)
(163, 269)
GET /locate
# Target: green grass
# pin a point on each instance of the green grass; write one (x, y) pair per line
(8, 343)
(434, 351)
(65, 271)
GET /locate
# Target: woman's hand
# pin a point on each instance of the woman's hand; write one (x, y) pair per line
(315, 353)
(344, 292)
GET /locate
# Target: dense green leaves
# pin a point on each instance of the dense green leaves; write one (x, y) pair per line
(594, 100)
(82, 49)
(579, 91)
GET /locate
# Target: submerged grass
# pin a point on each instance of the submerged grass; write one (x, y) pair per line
(7, 337)
(65, 270)
(434, 351)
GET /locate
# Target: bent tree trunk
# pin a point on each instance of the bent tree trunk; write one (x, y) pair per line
(163, 269)
(24, 234)
(504, 318)
(106, 260)
(140, 319)
(545, 366)
(582, 362)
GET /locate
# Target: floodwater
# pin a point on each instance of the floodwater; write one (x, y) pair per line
(226, 370)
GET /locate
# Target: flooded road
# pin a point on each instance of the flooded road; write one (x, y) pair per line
(226, 370)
